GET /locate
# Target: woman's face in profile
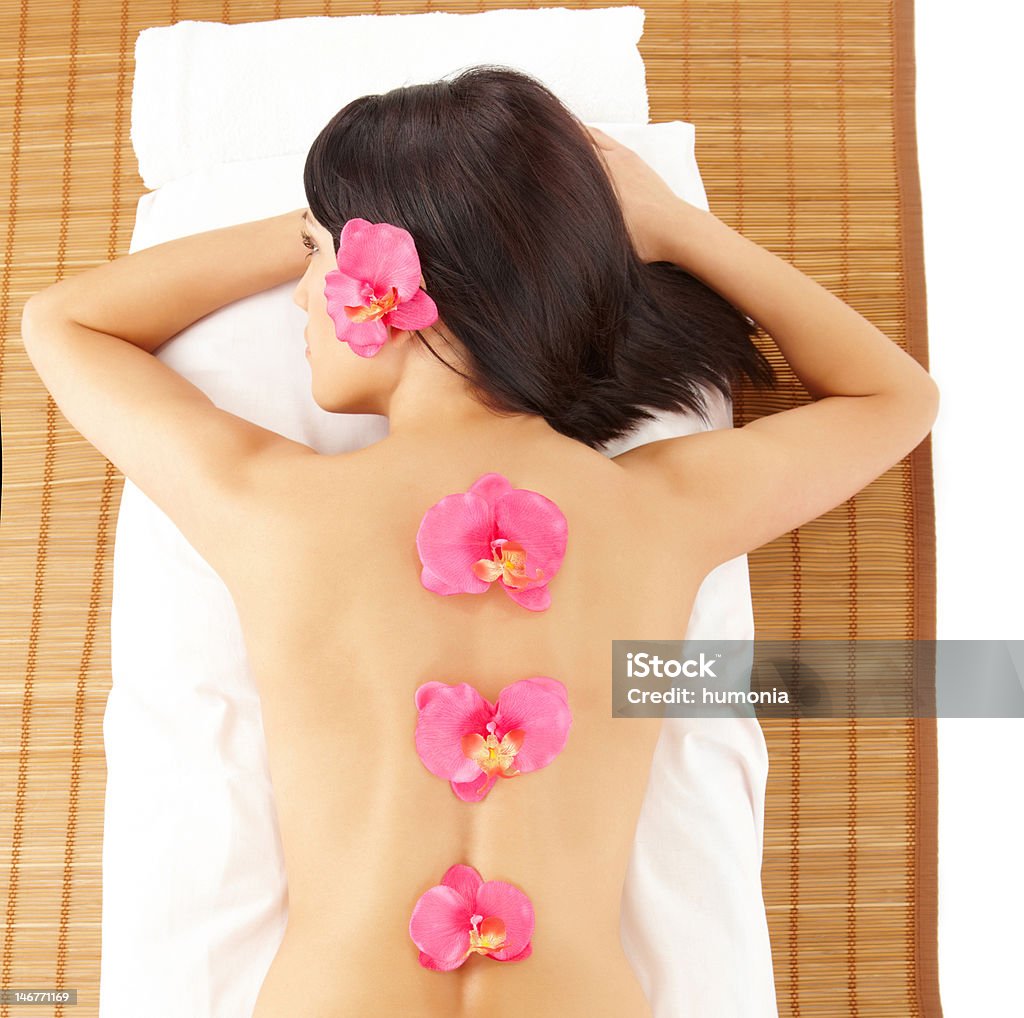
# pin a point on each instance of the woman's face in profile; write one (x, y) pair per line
(342, 381)
(309, 293)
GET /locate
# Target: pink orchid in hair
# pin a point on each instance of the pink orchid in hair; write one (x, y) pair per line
(491, 532)
(376, 285)
(471, 742)
(465, 915)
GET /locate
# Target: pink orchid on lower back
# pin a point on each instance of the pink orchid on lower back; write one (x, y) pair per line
(465, 738)
(465, 915)
(493, 531)
(376, 285)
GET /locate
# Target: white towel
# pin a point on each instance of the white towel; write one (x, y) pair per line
(207, 93)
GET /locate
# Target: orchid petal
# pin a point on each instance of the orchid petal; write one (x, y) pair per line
(491, 486)
(465, 880)
(512, 906)
(513, 740)
(437, 965)
(367, 338)
(537, 599)
(551, 685)
(434, 583)
(502, 955)
(454, 533)
(427, 692)
(382, 254)
(538, 525)
(341, 290)
(416, 312)
(440, 924)
(545, 715)
(473, 745)
(475, 790)
(487, 570)
(446, 716)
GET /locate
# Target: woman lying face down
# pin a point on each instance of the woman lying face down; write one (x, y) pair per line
(430, 619)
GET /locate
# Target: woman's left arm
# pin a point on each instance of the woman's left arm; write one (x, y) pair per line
(91, 339)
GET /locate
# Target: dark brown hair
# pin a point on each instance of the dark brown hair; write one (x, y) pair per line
(524, 249)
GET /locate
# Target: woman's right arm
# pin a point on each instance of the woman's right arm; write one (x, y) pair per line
(873, 403)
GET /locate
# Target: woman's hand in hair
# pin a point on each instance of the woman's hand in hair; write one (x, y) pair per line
(645, 198)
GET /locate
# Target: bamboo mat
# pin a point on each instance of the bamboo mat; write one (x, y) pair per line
(805, 139)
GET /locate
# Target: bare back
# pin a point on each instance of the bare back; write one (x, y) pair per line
(340, 634)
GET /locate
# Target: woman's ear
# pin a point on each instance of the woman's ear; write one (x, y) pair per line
(399, 336)
(401, 339)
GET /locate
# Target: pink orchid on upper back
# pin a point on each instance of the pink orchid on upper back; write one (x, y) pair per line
(376, 285)
(491, 532)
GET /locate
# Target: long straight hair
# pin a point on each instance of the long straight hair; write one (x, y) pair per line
(525, 251)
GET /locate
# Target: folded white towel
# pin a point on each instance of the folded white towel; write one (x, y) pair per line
(207, 93)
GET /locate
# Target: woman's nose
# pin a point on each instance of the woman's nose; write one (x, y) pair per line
(299, 294)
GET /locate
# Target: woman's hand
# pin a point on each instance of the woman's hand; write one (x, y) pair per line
(648, 204)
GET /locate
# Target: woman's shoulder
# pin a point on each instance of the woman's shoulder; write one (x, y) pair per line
(388, 482)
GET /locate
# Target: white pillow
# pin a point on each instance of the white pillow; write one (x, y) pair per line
(194, 890)
(206, 93)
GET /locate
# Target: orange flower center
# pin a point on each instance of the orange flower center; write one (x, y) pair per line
(487, 934)
(508, 560)
(494, 757)
(377, 307)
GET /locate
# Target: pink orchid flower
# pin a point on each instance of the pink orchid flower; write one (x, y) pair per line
(472, 742)
(493, 531)
(465, 915)
(376, 285)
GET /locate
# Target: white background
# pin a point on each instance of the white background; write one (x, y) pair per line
(969, 96)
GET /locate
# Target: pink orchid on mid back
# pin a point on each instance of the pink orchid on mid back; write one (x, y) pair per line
(465, 915)
(493, 531)
(376, 285)
(472, 742)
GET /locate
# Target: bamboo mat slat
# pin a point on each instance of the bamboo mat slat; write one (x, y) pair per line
(805, 138)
